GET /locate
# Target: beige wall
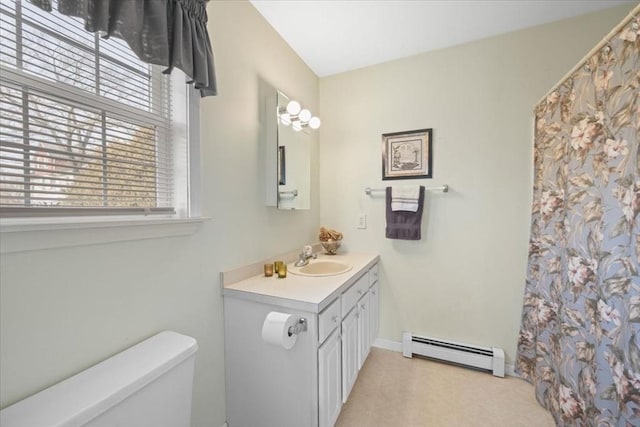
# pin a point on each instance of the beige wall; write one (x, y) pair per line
(62, 310)
(464, 280)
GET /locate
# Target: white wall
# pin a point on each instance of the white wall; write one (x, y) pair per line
(464, 280)
(62, 310)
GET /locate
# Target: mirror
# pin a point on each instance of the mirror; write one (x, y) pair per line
(288, 159)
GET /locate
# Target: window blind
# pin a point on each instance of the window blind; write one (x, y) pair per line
(84, 125)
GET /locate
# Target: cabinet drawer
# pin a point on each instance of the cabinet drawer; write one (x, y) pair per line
(328, 320)
(373, 274)
(354, 293)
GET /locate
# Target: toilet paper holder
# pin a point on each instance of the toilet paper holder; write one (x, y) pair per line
(300, 326)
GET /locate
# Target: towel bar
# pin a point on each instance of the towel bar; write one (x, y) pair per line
(444, 188)
(292, 193)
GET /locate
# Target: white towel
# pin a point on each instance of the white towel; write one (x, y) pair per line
(405, 198)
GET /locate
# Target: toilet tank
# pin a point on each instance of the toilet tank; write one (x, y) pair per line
(147, 385)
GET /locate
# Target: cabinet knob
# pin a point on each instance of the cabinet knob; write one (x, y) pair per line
(359, 291)
(373, 292)
(335, 318)
(363, 306)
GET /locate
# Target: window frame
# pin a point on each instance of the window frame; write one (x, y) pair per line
(89, 229)
(22, 234)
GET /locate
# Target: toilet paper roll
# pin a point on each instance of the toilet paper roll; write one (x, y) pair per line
(275, 329)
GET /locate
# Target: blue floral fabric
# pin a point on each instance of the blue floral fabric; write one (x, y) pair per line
(579, 342)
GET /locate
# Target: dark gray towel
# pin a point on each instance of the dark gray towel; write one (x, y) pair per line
(404, 225)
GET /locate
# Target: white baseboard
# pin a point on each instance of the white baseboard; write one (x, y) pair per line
(509, 368)
(388, 345)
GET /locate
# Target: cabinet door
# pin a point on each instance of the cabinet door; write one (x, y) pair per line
(329, 380)
(349, 353)
(364, 336)
(374, 311)
(373, 274)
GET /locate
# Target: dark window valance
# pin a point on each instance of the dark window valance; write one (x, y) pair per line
(170, 33)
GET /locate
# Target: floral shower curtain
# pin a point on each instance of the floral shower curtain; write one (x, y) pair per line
(579, 342)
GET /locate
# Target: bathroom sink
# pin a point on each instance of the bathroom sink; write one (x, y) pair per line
(321, 268)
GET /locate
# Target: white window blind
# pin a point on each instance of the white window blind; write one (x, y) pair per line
(85, 126)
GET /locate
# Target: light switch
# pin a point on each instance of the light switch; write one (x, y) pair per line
(362, 220)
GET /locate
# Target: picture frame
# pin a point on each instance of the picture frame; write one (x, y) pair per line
(407, 155)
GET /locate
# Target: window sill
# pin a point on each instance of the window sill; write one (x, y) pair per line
(36, 234)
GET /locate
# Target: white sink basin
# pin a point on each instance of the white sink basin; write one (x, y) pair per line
(321, 268)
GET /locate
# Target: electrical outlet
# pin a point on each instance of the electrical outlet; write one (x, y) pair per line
(362, 220)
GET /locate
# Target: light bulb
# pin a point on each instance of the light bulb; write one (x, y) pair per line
(293, 107)
(285, 118)
(314, 122)
(304, 115)
(297, 126)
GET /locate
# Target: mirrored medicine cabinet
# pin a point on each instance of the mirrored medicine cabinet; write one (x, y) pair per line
(288, 158)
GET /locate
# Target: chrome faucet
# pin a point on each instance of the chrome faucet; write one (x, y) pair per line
(305, 256)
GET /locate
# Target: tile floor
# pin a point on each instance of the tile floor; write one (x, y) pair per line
(395, 391)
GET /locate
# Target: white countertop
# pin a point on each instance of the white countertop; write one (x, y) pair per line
(305, 293)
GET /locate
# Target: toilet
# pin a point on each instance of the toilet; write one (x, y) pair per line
(147, 385)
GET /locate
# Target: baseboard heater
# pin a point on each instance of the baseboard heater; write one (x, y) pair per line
(489, 358)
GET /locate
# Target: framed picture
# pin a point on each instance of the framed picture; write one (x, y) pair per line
(407, 155)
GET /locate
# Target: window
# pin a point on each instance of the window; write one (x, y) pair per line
(86, 128)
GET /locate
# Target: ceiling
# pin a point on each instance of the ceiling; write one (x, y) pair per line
(332, 36)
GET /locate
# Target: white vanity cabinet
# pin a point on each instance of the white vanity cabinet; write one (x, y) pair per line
(349, 353)
(304, 386)
(364, 335)
(330, 380)
(329, 365)
(359, 327)
(374, 311)
(357, 331)
(374, 304)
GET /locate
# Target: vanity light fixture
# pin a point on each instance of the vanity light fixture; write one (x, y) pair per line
(293, 114)
(293, 107)
(314, 122)
(285, 118)
(304, 115)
